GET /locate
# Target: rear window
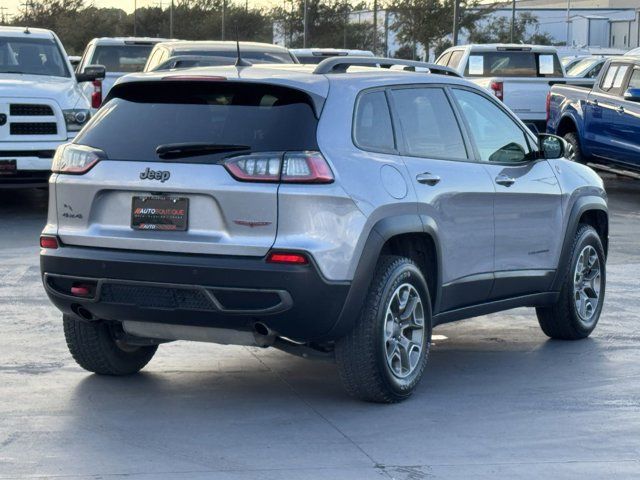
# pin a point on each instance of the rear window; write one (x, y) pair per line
(122, 58)
(252, 56)
(513, 64)
(144, 115)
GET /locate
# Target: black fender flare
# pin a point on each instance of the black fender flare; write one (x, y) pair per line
(379, 234)
(581, 205)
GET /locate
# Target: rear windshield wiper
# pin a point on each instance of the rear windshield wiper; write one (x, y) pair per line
(179, 150)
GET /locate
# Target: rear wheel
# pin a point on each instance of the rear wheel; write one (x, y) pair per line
(95, 347)
(575, 152)
(576, 313)
(383, 358)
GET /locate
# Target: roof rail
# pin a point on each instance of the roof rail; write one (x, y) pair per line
(341, 64)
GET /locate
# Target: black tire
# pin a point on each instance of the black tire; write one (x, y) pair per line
(361, 355)
(563, 321)
(577, 155)
(94, 347)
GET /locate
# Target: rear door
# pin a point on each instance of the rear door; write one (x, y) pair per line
(224, 215)
(451, 188)
(527, 207)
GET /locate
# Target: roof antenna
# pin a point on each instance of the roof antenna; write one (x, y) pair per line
(240, 62)
(26, 30)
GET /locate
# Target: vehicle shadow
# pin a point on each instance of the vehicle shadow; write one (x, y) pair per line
(30, 200)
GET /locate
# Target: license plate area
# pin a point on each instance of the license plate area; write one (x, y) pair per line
(160, 213)
(8, 167)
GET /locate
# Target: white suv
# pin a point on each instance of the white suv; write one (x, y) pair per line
(41, 104)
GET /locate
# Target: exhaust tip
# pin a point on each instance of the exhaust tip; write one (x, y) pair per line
(82, 312)
(262, 329)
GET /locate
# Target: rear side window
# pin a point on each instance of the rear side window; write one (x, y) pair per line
(614, 78)
(428, 124)
(513, 64)
(444, 59)
(143, 115)
(122, 58)
(372, 126)
(454, 61)
(607, 81)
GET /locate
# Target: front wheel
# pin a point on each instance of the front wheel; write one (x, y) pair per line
(576, 313)
(574, 153)
(384, 356)
(95, 347)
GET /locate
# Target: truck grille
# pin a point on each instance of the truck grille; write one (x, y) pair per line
(34, 128)
(27, 110)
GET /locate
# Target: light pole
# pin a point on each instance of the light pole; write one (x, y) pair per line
(568, 20)
(456, 6)
(513, 19)
(304, 26)
(171, 19)
(224, 13)
(135, 17)
(375, 27)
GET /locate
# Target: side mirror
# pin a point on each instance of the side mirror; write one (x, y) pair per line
(632, 95)
(91, 73)
(551, 146)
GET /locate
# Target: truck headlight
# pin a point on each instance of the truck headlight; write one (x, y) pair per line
(76, 118)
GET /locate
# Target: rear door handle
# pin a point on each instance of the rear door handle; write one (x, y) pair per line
(428, 178)
(505, 180)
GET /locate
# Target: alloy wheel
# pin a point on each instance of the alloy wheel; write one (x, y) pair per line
(404, 331)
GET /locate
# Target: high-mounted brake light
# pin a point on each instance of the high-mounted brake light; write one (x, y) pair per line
(498, 90)
(48, 241)
(287, 257)
(278, 167)
(96, 95)
(75, 159)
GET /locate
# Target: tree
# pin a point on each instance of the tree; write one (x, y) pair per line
(427, 22)
(526, 30)
(328, 24)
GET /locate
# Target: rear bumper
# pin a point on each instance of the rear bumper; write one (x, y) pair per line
(201, 290)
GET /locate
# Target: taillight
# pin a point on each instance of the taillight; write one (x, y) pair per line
(289, 167)
(548, 106)
(96, 96)
(498, 89)
(287, 257)
(48, 241)
(75, 159)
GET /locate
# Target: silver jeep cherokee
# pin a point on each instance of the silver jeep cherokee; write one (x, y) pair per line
(340, 212)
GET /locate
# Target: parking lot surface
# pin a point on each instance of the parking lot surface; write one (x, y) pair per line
(498, 399)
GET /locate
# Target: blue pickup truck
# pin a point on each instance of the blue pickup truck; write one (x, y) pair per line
(602, 124)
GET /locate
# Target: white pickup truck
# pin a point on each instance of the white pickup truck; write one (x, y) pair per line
(119, 56)
(41, 104)
(519, 75)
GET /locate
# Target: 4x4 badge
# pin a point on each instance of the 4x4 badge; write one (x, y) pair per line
(162, 175)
